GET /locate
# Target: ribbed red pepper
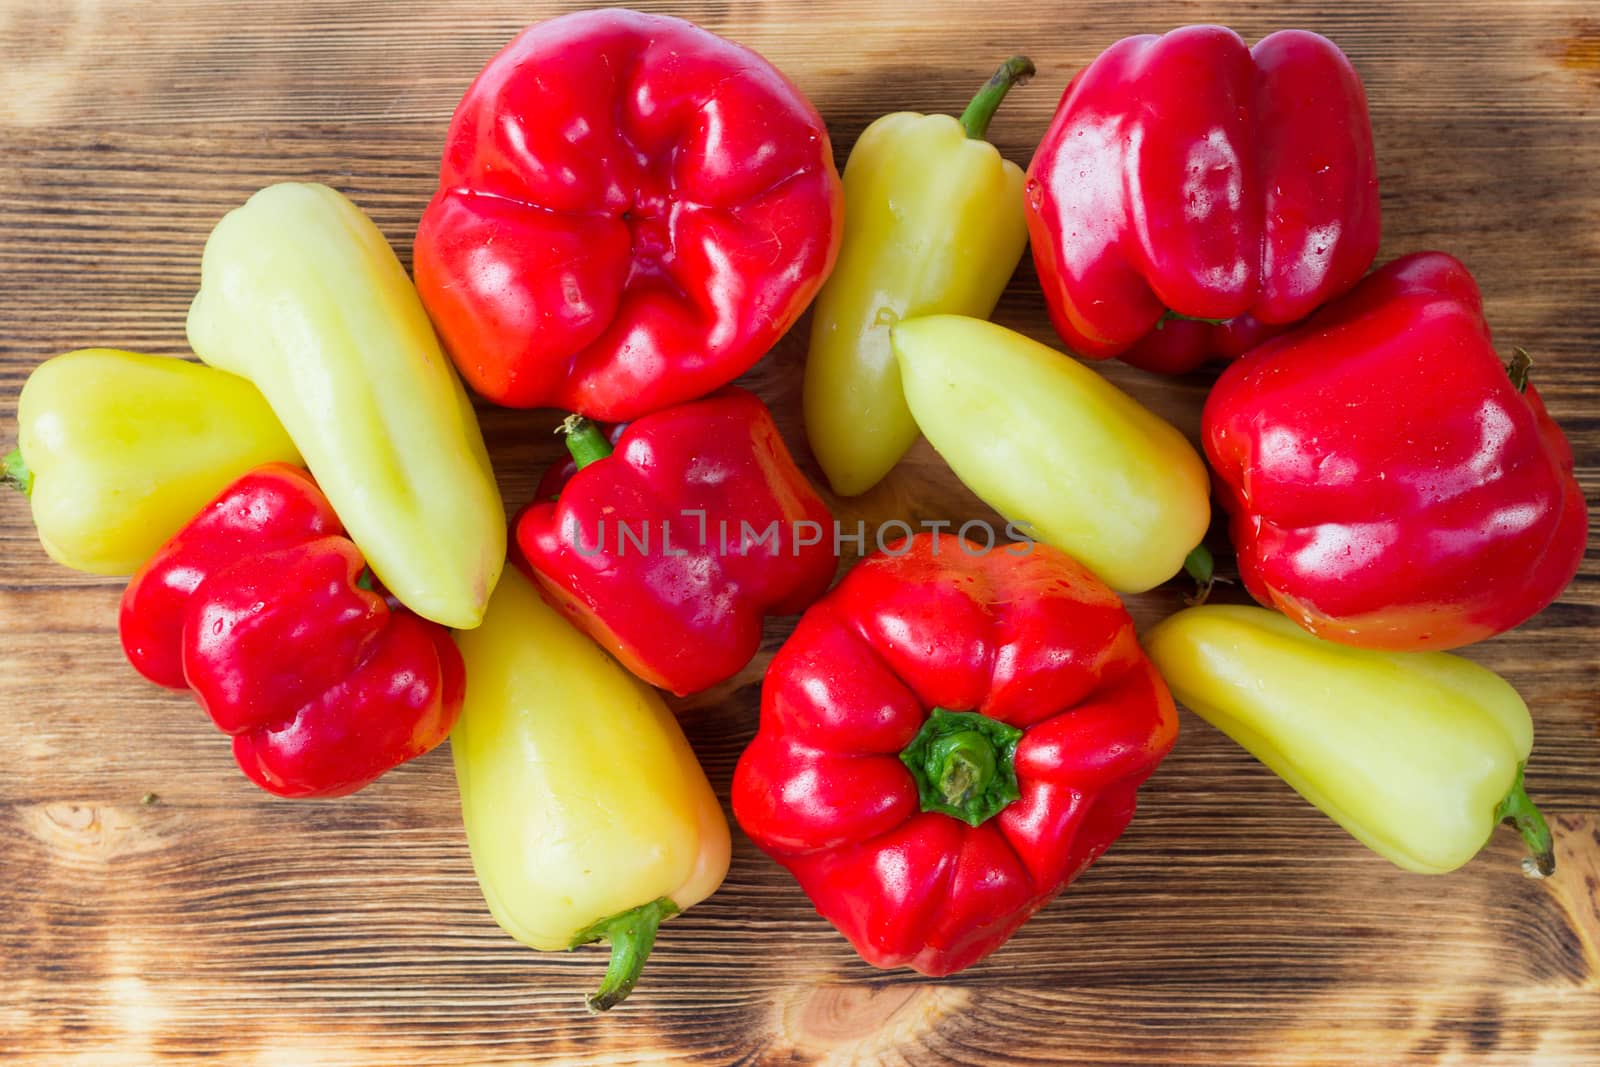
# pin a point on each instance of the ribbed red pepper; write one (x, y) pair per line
(631, 210)
(946, 741)
(259, 605)
(1388, 483)
(671, 550)
(1186, 173)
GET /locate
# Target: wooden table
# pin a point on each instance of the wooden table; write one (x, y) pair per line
(1233, 923)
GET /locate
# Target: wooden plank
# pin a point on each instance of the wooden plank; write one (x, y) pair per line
(1232, 924)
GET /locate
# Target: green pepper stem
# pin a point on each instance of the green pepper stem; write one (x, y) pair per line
(1519, 811)
(963, 764)
(15, 470)
(1521, 363)
(975, 119)
(1202, 567)
(967, 765)
(1177, 316)
(584, 440)
(632, 934)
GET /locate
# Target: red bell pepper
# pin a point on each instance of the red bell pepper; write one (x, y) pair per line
(631, 211)
(1187, 173)
(1390, 484)
(1178, 345)
(947, 740)
(262, 607)
(670, 550)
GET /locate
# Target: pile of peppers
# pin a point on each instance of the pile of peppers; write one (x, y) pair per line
(631, 212)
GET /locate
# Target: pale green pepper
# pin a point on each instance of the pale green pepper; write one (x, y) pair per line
(588, 817)
(117, 450)
(1416, 754)
(1056, 448)
(933, 223)
(301, 294)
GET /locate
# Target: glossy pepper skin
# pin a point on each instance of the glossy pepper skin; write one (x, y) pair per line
(1055, 448)
(1417, 755)
(117, 450)
(947, 740)
(300, 293)
(260, 606)
(934, 225)
(631, 211)
(724, 530)
(1187, 173)
(1388, 485)
(587, 815)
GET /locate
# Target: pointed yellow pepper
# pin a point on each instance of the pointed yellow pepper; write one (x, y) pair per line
(1416, 754)
(588, 817)
(301, 294)
(1056, 448)
(118, 450)
(933, 223)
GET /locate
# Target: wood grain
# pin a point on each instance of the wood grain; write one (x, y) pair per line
(1233, 923)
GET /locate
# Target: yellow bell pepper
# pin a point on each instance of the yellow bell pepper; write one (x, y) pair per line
(933, 223)
(1416, 754)
(1056, 448)
(118, 450)
(587, 814)
(300, 293)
